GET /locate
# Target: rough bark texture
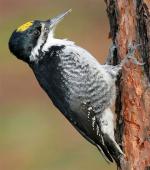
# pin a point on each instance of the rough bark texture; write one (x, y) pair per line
(130, 23)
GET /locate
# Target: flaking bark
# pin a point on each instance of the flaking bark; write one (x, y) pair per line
(130, 23)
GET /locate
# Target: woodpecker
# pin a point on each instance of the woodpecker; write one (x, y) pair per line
(78, 85)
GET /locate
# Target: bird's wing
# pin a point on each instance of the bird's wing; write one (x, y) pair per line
(98, 141)
(89, 91)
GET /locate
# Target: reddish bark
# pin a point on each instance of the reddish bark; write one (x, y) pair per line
(130, 22)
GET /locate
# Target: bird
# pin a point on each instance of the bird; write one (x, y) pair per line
(78, 85)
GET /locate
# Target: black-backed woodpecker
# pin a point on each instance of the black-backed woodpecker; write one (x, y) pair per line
(78, 85)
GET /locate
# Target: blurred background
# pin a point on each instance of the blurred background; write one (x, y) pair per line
(33, 134)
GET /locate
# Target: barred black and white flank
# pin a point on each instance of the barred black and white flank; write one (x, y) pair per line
(78, 85)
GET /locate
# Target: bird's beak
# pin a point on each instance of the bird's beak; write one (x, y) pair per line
(54, 21)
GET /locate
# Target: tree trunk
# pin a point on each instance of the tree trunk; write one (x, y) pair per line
(130, 23)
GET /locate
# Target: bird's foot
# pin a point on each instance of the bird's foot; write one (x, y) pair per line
(131, 55)
(131, 51)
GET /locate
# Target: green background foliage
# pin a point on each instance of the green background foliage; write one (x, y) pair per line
(33, 134)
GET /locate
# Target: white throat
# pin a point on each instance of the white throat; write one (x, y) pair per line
(51, 41)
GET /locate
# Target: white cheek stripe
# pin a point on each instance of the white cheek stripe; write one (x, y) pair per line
(35, 50)
(51, 41)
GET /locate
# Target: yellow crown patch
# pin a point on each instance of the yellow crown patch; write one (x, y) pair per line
(25, 26)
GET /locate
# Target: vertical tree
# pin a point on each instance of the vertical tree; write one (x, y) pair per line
(130, 23)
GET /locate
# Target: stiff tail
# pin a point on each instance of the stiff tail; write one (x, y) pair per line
(107, 141)
(110, 150)
(105, 153)
(114, 149)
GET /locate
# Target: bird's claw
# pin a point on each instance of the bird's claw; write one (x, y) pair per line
(131, 51)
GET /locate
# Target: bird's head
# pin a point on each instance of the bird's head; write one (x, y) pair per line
(27, 40)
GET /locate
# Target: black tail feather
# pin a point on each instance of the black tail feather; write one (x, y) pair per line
(115, 153)
(104, 151)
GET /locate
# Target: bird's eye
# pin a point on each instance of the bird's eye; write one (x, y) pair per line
(37, 32)
(46, 29)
